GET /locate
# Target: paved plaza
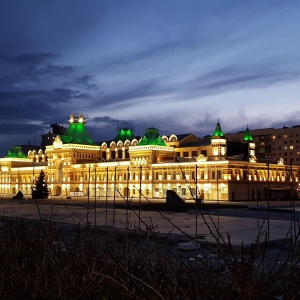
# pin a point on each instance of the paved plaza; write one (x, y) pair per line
(241, 224)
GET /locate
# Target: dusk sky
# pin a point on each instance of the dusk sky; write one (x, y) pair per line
(177, 65)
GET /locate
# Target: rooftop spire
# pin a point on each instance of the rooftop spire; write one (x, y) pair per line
(218, 131)
(247, 136)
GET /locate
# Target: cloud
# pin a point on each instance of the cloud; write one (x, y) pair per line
(87, 82)
(28, 58)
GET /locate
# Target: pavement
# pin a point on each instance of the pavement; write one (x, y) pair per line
(204, 223)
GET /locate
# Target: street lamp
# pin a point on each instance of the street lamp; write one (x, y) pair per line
(33, 182)
(95, 182)
(88, 192)
(140, 196)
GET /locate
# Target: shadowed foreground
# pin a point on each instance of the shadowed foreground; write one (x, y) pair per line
(42, 260)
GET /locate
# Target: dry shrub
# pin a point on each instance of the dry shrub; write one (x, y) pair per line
(40, 261)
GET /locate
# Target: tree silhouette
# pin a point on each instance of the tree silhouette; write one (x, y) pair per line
(40, 189)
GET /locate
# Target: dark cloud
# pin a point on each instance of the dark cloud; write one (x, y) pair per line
(56, 70)
(106, 128)
(239, 81)
(37, 97)
(28, 58)
(87, 82)
(129, 95)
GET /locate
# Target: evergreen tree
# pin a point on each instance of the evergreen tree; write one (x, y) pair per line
(40, 190)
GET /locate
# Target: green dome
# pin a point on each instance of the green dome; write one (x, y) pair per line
(124, 134)
(16, 152)
(152, 137)
(77, 133)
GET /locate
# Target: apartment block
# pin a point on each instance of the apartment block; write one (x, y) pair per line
(274, 143)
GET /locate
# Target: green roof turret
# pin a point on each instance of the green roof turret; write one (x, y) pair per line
(16, 152)
(248, 137)
(152, 137)
(218, 131)
(125, 134)
(77, 133)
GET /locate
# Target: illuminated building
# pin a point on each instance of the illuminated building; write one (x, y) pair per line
(216, 168)
(275, 143)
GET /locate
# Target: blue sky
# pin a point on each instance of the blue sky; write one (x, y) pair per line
(175, 65)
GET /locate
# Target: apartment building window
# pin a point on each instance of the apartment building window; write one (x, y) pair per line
(291, 135)
(273, 137)
(297, 134)
(291, 147)
(279, 136)
(285, 136)
(279, 148)
(297, 141)
(285, 142)
(285, 154)
(285, 148)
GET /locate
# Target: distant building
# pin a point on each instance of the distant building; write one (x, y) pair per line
(273, 144)
(48, 138)
(214, 168)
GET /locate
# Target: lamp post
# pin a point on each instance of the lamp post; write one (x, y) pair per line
(268, 240)
(140, 196)
(140, 192)
(106, 200)
(196, 221)
(33, 181)
(127, 197)
(95, 182)
(114, 209)
(88, 192)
